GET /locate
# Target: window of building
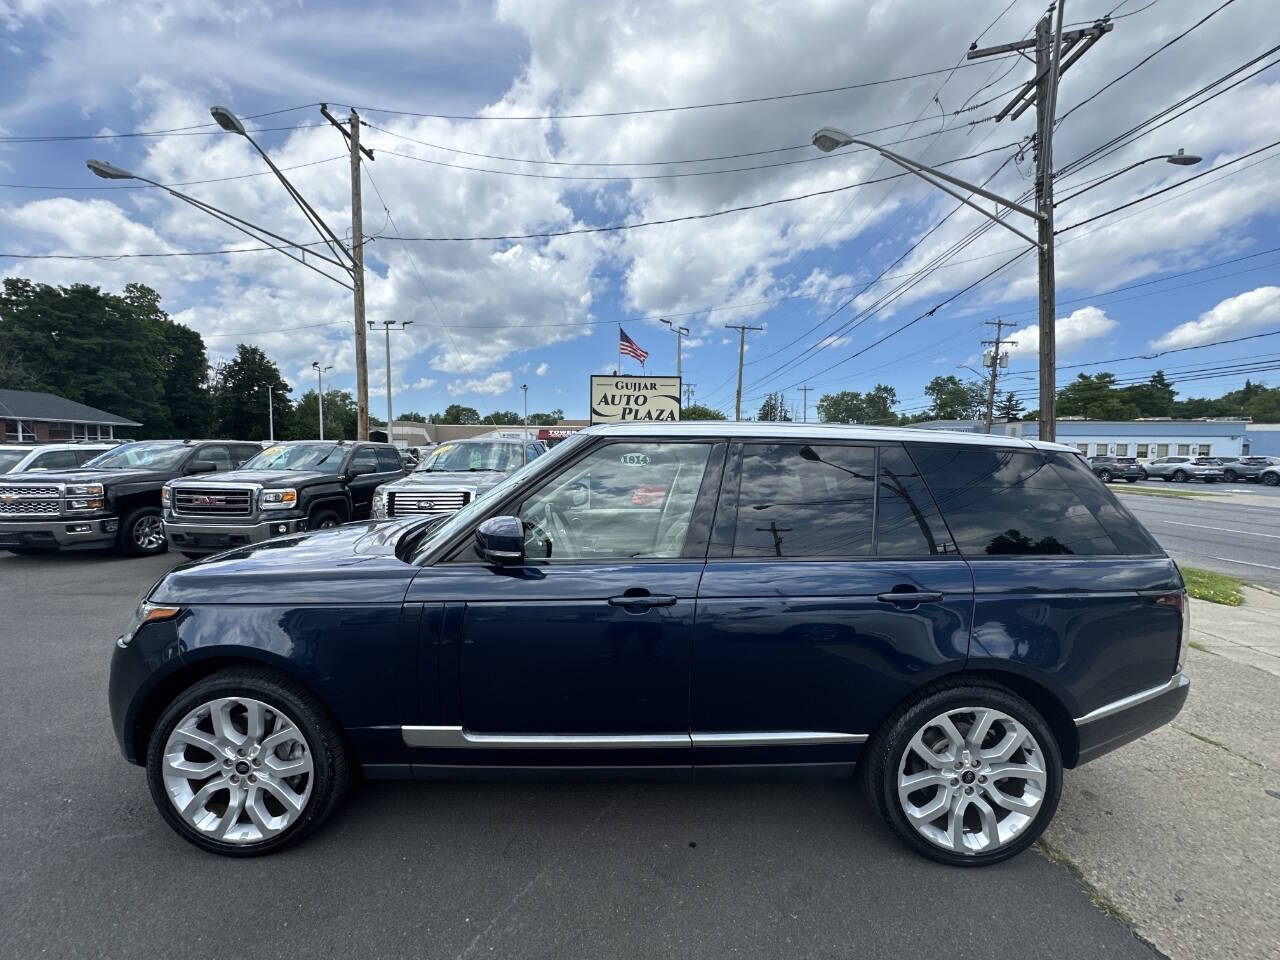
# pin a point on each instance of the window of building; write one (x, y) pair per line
(1009, 502)
(1203, 450)
(1083, 448)
(1162, 449)
(59, 431)
(1122, 449)
(1100, 449)
(1141, 451)
(1184, 449)
(803, 500)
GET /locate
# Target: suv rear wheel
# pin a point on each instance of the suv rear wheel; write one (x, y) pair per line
(1180, 476)
(141, 533)
(245, 762)
(1104, 476)
(1230, 476)
(967, 774)
(1271, 479)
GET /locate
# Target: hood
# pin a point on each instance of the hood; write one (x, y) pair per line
(86, 476)
(422, 480)
(265, 478)
(351, 564)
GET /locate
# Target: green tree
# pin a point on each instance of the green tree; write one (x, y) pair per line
(696, 411)
(341, 420)
(1009, 407)
(456, 413)
(503, 418)
(546, 419)
(412, 416)
(954, 399)
(185, 382)
(1155, 398)
(774, 408)
(1095, 398)
(240, 396)
(850, 406)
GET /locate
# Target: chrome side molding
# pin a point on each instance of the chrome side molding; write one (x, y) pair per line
(1133, 700)
(457, 737)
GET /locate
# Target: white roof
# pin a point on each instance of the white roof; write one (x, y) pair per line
(815, 431)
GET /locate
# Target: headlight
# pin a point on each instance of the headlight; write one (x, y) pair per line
(279, 499)
(84, 490)
(379, 504)
(146, 613)
(164, 495)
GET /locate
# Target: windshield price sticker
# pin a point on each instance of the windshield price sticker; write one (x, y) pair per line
(635, 459)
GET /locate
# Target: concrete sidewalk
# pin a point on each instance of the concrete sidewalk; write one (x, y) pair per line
(1246, 634)
(1178, 833)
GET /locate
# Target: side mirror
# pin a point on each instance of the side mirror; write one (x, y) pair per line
(361, 469)
(202, 466)
(501, 540)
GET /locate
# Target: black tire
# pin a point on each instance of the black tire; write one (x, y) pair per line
(129, 540)
(1271, 479)
(1180, 476)
(1231, 476)
(192, 555)
(880, 762)
(1104, 476)
(331, 768)
(1133, 479)
(323, 519)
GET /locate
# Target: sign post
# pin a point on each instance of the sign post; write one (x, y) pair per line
(624, 399)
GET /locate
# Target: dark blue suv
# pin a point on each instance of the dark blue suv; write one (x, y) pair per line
(959, 617)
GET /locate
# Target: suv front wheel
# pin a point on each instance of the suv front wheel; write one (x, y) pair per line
(967, 774)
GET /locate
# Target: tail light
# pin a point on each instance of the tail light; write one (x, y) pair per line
(1183, 605)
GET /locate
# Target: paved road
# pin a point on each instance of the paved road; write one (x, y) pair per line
(1239, 538)
(630, 869)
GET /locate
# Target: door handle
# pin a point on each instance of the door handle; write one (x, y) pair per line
(638, 604)
(906, 599)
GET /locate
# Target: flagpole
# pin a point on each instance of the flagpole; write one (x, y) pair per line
(619, 347)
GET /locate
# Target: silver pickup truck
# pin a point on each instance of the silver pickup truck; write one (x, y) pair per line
(455, 473)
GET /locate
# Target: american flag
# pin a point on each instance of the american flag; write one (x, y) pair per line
(630, 347)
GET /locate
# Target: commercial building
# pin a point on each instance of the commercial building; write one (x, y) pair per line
(32, 417)
(1144, 439)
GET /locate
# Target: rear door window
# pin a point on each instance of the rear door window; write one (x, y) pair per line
(1001, 502)
(907, 522)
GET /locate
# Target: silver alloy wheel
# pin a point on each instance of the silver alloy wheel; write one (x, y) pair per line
(972, 780)
(148, 533)
(238, 770)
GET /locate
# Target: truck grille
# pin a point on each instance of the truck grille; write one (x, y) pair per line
(213, 501)
(428, 501)
(23, 500)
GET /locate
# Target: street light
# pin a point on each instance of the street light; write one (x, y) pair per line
(388, 325)
(681, 333)
(320, 390)
(525, 388)
(1179, 159)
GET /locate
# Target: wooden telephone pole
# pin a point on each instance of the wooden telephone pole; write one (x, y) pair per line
(742, 349)
(995, 345)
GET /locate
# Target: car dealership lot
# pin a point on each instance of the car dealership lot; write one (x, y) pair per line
(627, 868)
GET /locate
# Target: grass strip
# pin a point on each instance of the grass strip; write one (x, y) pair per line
(1214, 587)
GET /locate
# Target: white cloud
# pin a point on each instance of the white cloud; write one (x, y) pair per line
(495, 384)
(1081, 327)
(542, 369)
(1234, 316)
(423, 383)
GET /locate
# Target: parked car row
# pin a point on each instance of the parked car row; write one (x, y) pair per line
(201, 497)
(1182, 469)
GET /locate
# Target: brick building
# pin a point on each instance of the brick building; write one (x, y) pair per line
(31, 417)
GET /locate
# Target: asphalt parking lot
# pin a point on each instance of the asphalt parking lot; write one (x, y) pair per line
(595, 869)
(1234, 528)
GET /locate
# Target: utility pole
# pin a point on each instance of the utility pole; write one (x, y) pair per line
(1055, 53)
(271, 414)
(681, 333)
(805, 390)
(995, 345)
(388, 326)
(688, 393)
(524, 388)
(357, 255)
(320, 390)
(742, 349)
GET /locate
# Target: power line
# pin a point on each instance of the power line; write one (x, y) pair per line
(676, 109)
(1148, 58)
(148, 256)
(194, 131)
(179, 183)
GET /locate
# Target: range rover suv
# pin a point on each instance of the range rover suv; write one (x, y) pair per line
(455, 473)
(112, 500)
(287, 488)
(952, 619)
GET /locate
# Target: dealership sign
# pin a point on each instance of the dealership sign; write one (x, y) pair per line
(616, 399)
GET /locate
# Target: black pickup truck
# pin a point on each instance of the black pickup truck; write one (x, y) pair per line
(287, 488)
(113, 500)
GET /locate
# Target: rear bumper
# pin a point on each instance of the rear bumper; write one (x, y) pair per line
(58, 533)
(212, 537)
(1127, 719)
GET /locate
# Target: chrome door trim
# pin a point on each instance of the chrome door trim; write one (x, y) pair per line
(1133, 700)
(451, 737)
(458, 737)
(776, 738)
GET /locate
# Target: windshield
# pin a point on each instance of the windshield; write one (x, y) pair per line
(463, 457)
(148, 455)
(299, 456)
(478, 506)
(10, 459)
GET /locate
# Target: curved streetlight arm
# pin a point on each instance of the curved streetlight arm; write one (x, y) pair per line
(932, 176)
(1178, 159)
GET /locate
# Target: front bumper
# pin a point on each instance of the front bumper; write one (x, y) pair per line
(1123, 721)
(187, 536)
(58, 533)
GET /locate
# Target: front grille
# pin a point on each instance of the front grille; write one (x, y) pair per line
(213, 501)
(427, 501)
(28, 500)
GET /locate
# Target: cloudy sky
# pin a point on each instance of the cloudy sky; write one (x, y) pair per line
(474, 112)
